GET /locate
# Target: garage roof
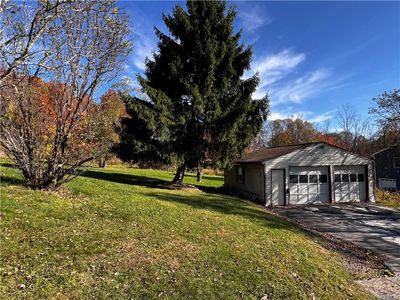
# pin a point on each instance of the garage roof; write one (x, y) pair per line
(264, 154)
(270, 153)
(385, 149)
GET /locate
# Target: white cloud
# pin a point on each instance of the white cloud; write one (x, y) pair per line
(288, 115)
(280, 62)
(305, 115)
(142, 48)
(253, 17)
(279, 79)
(323, 117)
(274, 67)
(298, 89)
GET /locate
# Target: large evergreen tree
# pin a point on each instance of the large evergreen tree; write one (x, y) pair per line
(198, 109)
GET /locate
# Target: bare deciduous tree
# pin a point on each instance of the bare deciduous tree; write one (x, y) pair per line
(73, 46)
(347, 119)
(356, 133)
(21, 28)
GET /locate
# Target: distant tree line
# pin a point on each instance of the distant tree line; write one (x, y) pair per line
(362, 136)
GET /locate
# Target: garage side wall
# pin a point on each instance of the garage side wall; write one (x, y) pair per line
(315, 155)
(253, 185)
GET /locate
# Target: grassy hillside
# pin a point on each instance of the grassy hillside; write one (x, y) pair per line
(123, 234)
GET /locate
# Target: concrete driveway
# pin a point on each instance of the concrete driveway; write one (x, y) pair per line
(369, 226)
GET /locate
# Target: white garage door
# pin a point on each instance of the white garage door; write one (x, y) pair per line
(350, 183)
(308, 185)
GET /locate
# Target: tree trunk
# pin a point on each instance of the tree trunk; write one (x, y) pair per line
(199, 174)
(102, 163)
(180, 173)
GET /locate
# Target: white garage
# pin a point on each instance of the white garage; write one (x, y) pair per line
(308, 185)
(349, 183)
(312, 173)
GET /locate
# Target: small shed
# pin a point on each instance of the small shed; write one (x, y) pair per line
(387, 168)
(310, 173)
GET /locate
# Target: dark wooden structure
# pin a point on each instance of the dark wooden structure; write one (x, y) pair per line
(387, 168)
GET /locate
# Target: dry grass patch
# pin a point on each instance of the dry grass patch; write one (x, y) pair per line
(387, 198)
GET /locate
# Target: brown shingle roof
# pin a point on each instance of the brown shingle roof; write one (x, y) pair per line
(270, 153)
(385, 149)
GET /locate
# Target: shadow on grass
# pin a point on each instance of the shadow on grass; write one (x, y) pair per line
(128, 179)
(147, 181)
(7, 165)
(124, 179)
(214, 178)
(11, 180)
(216, 199)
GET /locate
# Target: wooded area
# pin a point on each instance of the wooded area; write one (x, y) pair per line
(363, 136)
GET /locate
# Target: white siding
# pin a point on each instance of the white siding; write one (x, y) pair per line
(253, 186)
(316, 155)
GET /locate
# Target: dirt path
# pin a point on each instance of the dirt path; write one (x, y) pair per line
(385, 288)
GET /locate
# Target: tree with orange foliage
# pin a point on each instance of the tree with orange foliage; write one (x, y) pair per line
(288, 132)
(74, 46)
(332, 139)
(105, 119)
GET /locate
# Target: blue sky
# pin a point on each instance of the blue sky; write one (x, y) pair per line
(312, 57)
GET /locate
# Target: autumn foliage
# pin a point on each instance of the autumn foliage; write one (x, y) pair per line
(90, 126)
(331, 139)
(283, 132)
(53, 56)
(104, 120)
(42, 99)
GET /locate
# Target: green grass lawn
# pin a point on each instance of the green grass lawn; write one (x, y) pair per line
(121, 233)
